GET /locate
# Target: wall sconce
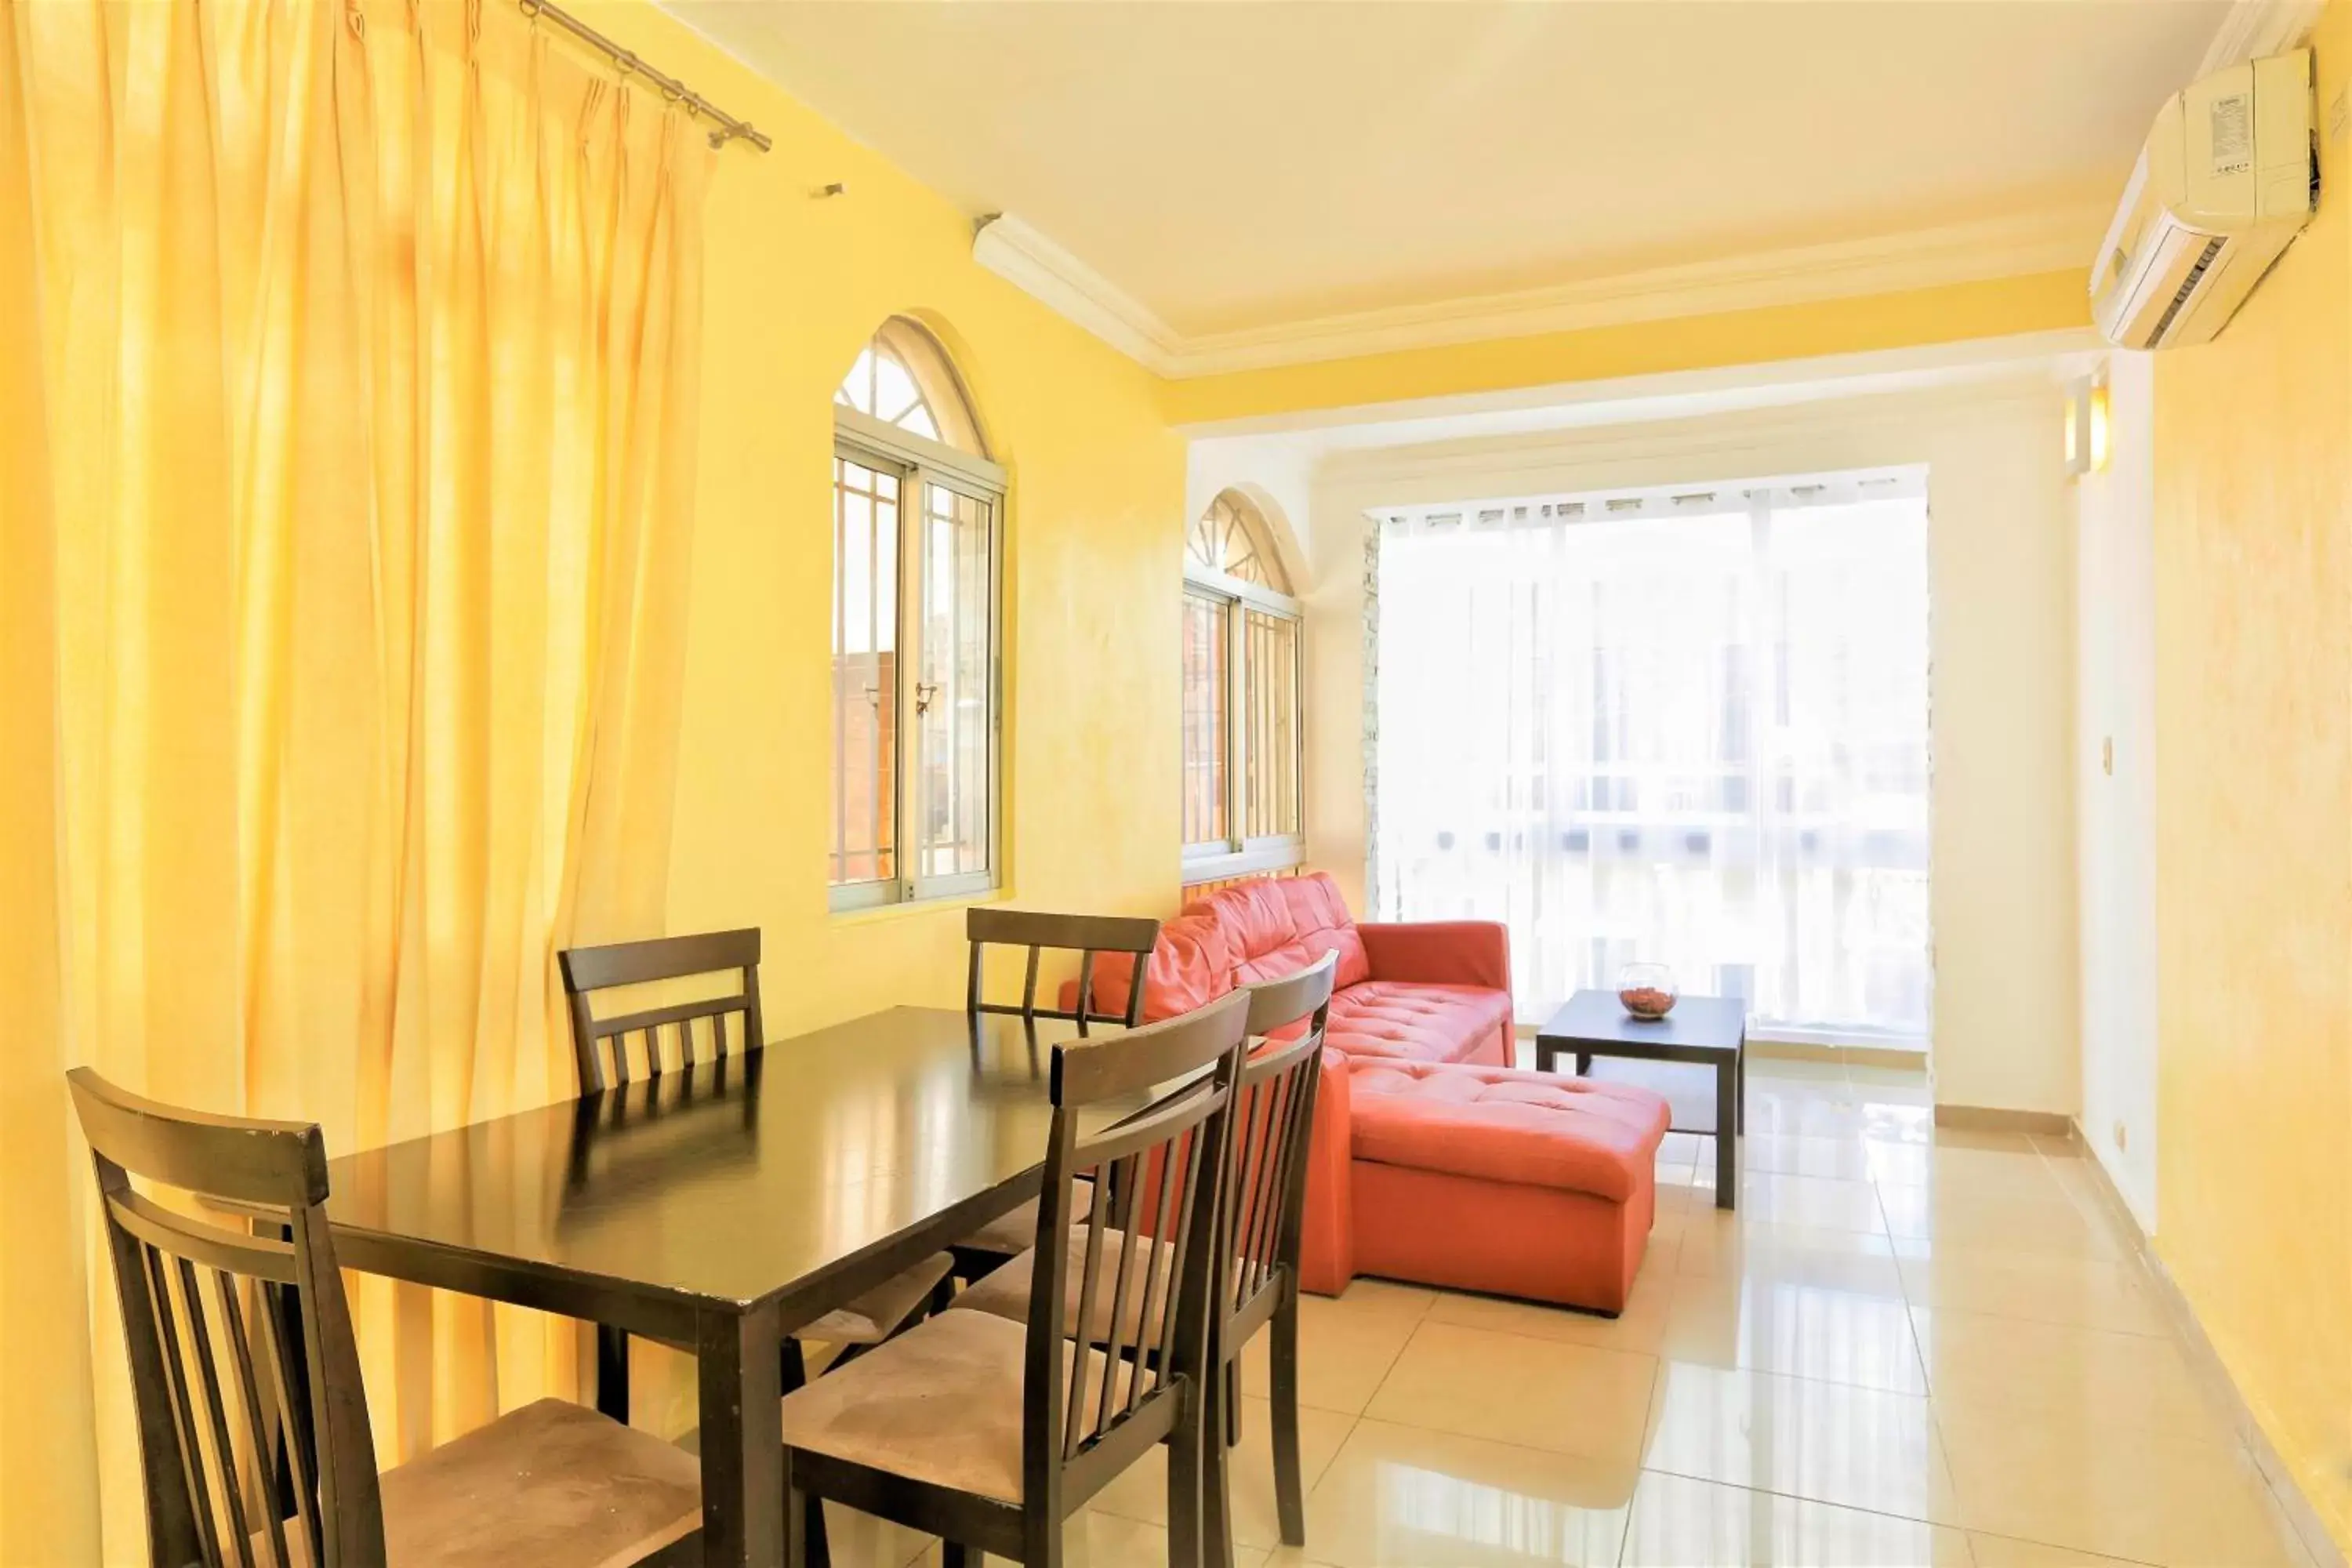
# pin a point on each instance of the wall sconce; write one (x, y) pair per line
(2087, 424)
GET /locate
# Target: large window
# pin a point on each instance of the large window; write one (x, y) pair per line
(917, 509)
(1685, 726)
(1243, 747)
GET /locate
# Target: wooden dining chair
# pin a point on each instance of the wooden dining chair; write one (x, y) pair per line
(666, 1037)
(1088, 936)
(1274, 1124)
(224, 1332)
(991, 1433)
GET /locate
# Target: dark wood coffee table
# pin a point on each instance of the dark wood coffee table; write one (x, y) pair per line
(1711, 1031)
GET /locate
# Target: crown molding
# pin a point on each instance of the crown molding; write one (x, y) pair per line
(1034, 263)
(2253, 28)
(2044, 241)
(2058, 354)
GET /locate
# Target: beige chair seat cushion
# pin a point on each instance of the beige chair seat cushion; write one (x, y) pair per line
(940, 1403)
(1005, 1291)
(1017, 1231)
(871, 1318)
(549, 1483)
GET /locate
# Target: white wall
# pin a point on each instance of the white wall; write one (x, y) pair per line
(1276, 473)
(2116, 704)
(2006, 1009)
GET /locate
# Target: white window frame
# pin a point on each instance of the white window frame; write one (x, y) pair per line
(918, 462)
(1237, 854)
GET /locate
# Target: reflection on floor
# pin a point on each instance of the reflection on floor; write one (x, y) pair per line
(1905, 1347)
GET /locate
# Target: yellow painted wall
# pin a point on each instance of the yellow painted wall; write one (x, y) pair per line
(1953, 314)
(2253, 747)
(794, 284)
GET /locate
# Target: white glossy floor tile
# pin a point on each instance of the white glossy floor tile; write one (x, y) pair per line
(1539, 1394)
(2022, 1172)
(2094, 1487)
(1842, 1159)
(1855, 1447)
(1974, 1213)
(1816, 1202)
(1802, 1115)
(1403, 1496)
(2087, 1292)
(2137, 1382)
(1678, 1523)
(2000, 1552)
(1728, 1243)
(1638, 1328)
(1789, 1325)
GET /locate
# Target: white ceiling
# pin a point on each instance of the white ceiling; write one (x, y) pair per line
(1241, 166)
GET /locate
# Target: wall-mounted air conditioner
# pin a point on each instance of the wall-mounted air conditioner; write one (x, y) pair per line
(2229, 176)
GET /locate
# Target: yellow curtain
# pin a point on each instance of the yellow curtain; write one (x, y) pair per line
(347, 356)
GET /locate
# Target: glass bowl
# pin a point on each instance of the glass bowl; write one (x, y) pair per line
(1647, 991)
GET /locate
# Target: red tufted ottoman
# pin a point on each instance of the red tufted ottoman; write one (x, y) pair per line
(1480, 1178)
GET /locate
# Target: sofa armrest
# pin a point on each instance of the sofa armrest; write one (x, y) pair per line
(1440, 952)
(1327, 1243)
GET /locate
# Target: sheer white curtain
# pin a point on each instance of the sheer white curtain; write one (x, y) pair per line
(1682, 726)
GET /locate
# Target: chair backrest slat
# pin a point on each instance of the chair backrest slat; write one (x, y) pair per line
(158, 1275)
(249, 1399)
(258, 1258)
(1159, 1283)
(1126, 1194)
(202, 1358)
(587, 970)
(1039, 931)
(1273, 1116)
(1090, 1277)
(226, 1460)
(1263, 1103)
(1166, 1162)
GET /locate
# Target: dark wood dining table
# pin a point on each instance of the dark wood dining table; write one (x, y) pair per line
(722, 1206)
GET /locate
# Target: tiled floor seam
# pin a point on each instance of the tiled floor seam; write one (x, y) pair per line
(1927, 1375)
(1800, 1497)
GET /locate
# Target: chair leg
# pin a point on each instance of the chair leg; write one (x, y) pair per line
(1289, 1494)
(613, 1373)
(809, 1528)
(1186, 1497)
(1041, 1539)
(1232, 1402)
(956, 1554)
(797, 1509)
(1216, 1498)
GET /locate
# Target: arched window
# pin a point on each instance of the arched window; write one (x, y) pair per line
(917, 511)
(1232, 539)
(903, 379)
(1243, 756)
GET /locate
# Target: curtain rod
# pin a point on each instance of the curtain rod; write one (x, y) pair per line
(729, 128)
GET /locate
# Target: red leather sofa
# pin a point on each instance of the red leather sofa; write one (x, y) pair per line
(1432, 1160)
(1435, 991)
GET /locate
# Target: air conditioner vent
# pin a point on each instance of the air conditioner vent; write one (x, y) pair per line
(2188, 287)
